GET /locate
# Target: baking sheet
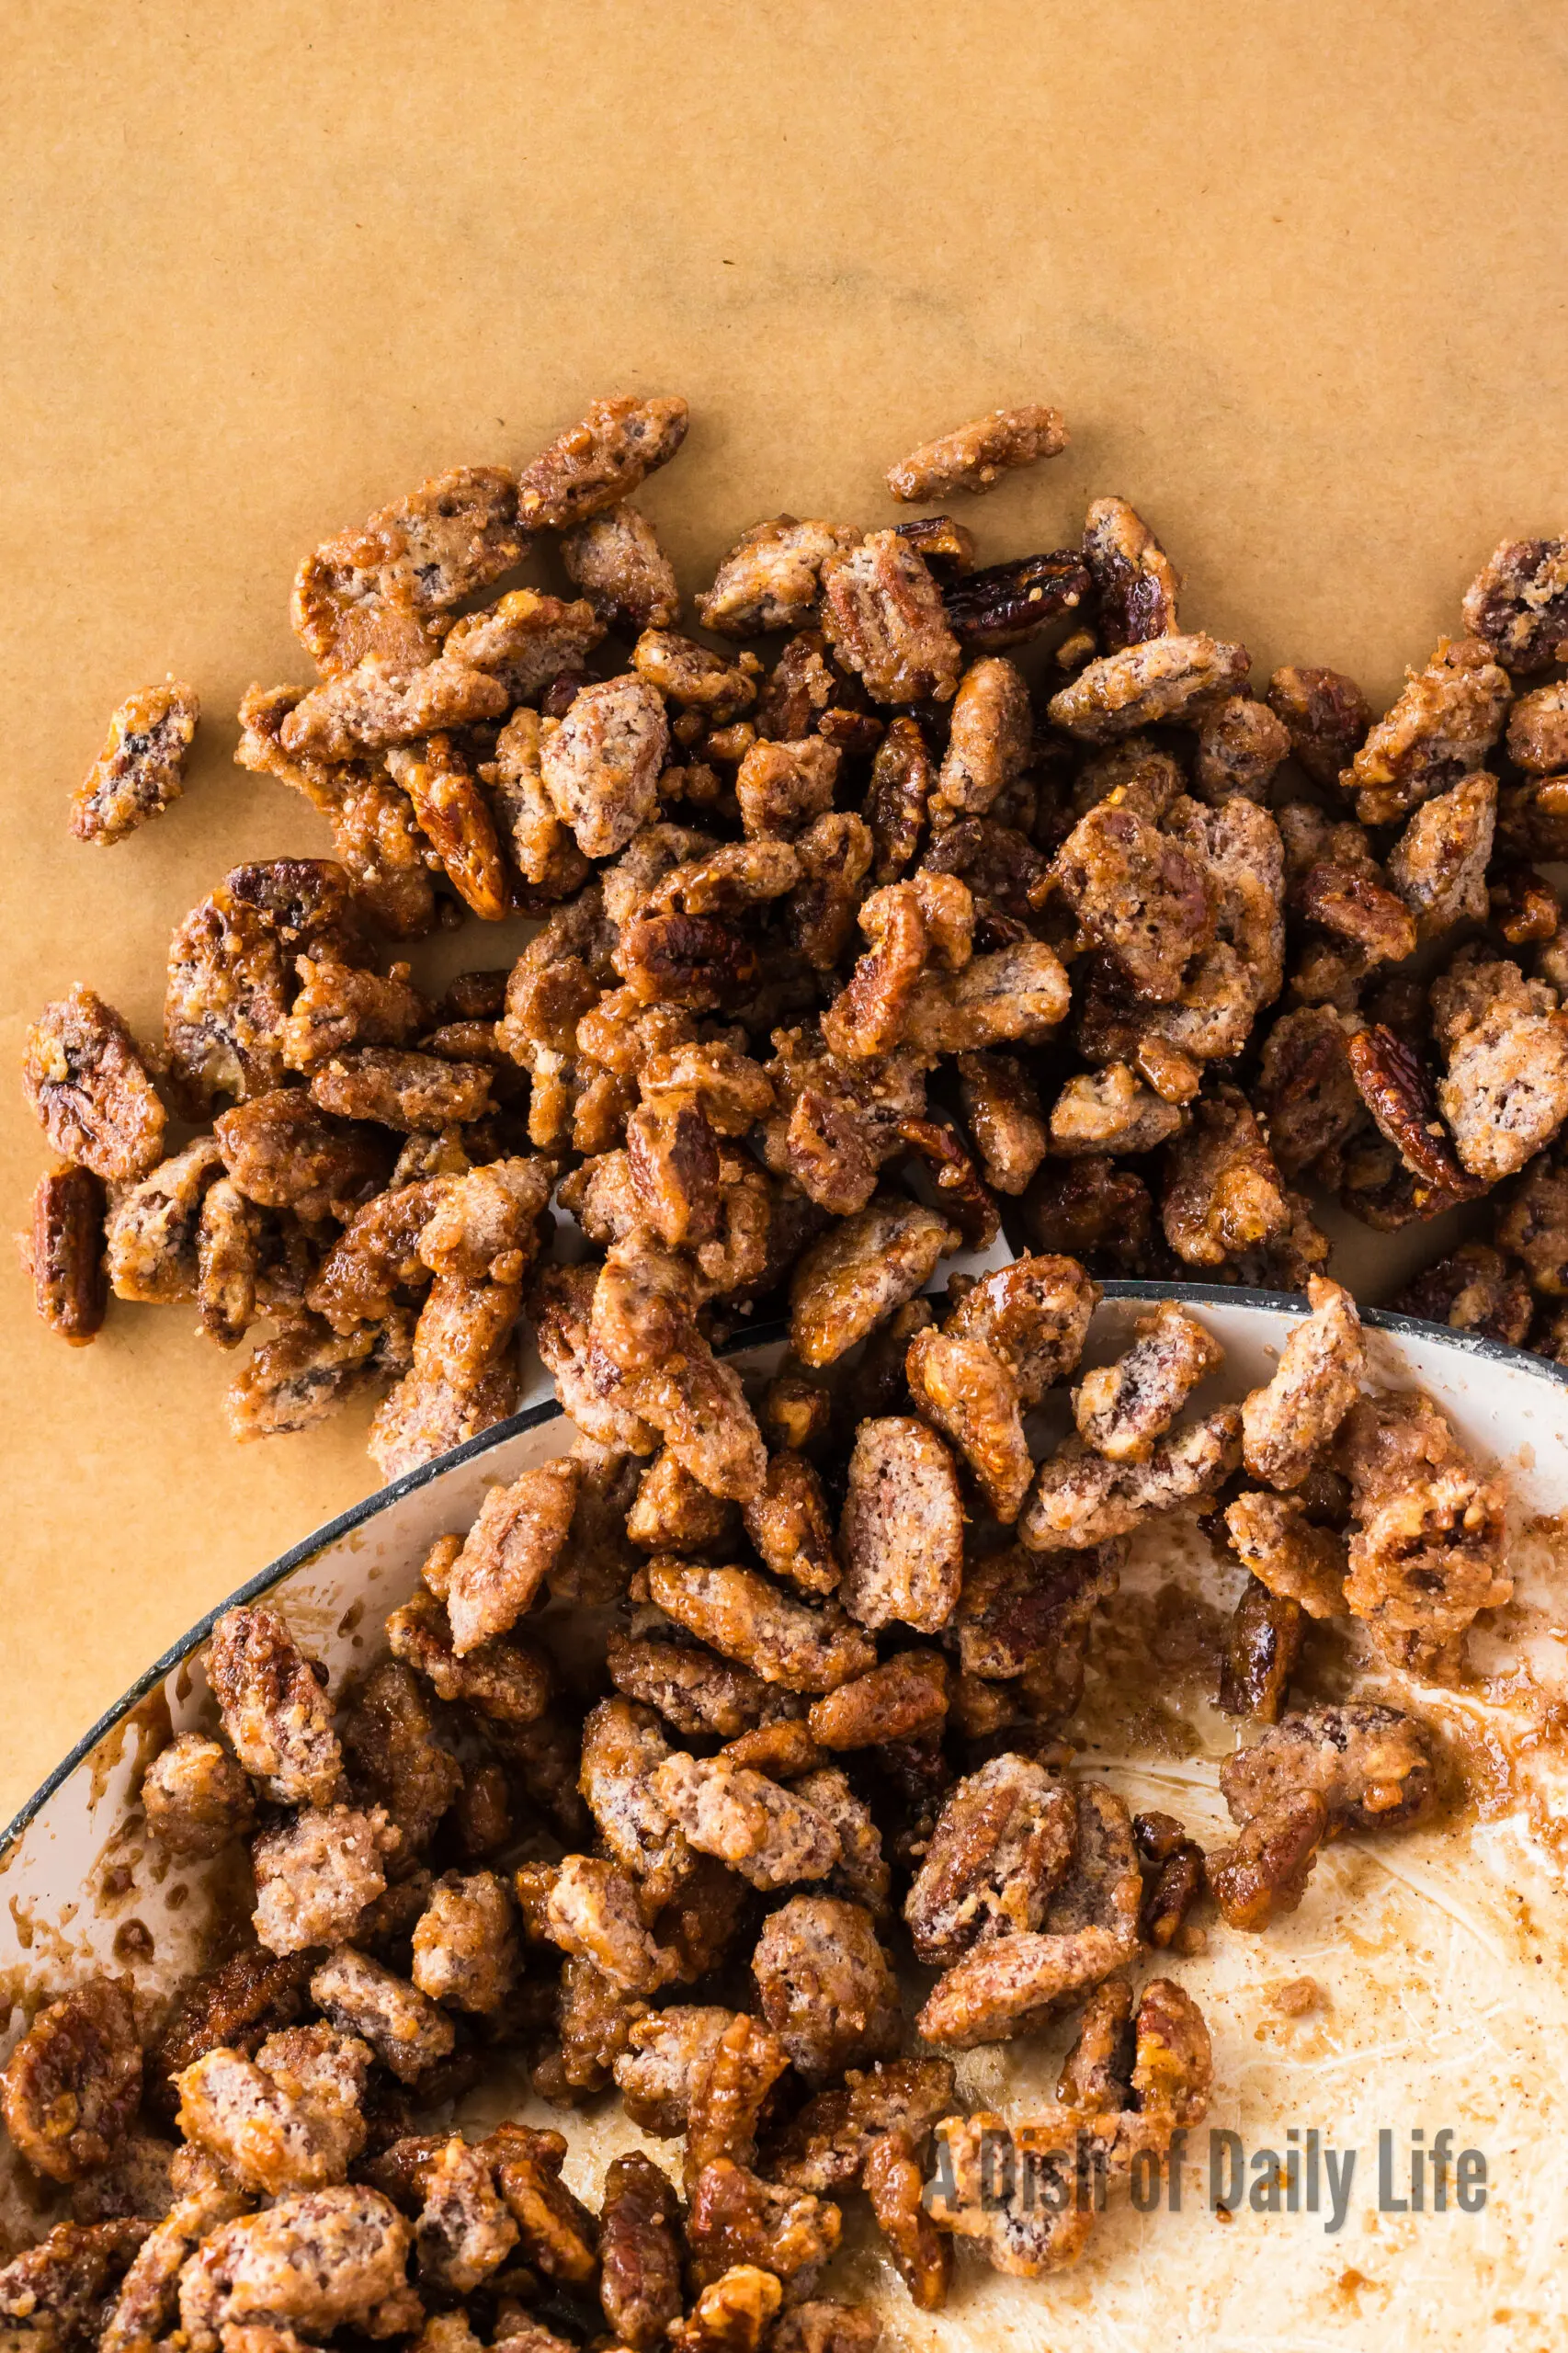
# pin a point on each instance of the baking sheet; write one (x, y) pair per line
(1294, 276)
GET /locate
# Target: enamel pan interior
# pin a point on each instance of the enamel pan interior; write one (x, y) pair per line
(1439, 1959)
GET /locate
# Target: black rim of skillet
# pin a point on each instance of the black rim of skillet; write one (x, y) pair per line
(1465, 1344)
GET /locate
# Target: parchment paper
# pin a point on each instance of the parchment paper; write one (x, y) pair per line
(1294, 275)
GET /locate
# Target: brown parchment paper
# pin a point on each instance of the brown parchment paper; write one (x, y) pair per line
(1294, 274)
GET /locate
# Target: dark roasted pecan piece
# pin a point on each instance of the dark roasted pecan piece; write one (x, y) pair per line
(1173, 1878)
(1518, 603)
(1262, 1646)
(1396, 1089)
(66, 1251)
(74, 2082)
(1008, 602)
(640, 2253)
(1266, 1871)
(1325, 715)
(1134, 582)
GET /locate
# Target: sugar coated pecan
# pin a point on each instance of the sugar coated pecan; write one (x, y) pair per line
(883, 615)
(772, 1836)
(1440, 728)
(1161, 679)
(1295, 1416)
(826, 1986)
(74, 2081)
(65, 1250)
(1122, 1408)
(1518, 603)
(141, 767)
(1004, 1843)
(87, 1086)
(196, 1797)
(598, 462)
(861, 1272)
(975, 456)
(902, 1533)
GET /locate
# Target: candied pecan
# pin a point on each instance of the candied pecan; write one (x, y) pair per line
(484, 1224)
(61, 2291)
(697, 961)
(283, 1151)
(1018, 1606)
(687, 674)
(975, 456)
(672, 1513)
(464, 2232)
(1006, 603)
(1090, 1928)
(463, 1329)
(1173, 1882)
(375, 835)
(1109, 1110)
(862, 1875)
(732, 2080)
(141, 770)
(465, 1947)
(600, 768)
(595, 463)
(826, 2144)
(525, 640)
(903, 781)
(736, 2219)
(990, 736)
(227, 1263)
(383, 700)
(1427, 1551)
(402, 2025)
(1438, 864)
(1371, 1767)
(900, 1700)
(789, 1524)
(858, 1274)
(783, 1749)
(591, 1388)
(1018, 993)
(1506, 1090)
(783, 787)
(835, 855)
(556, 2232)
(1324, 714)
(770, 1836)
(665, 2052)
(1525, 907)
(342, 1004)
(825, 2327)
(640, 2253)
(1306, 1089)
(615, 558)
(592, 1912)
(368, 590)
(1286, 1551)
(232, 971)
(315, 1874)
(1160, 678)
(64, 1252)
(1240, 745)
(275, 1710)
(539, 845)
(317, 2259)
(196, 1797)
(902, 1533)
(1291, 1419)
(883, 615)
(455, 818)
(958, 1383)
(826, 1986)
(731, 2314)
(409, 1092)
(509, 1552)
(1091, 1211)
(1135, 583)
(1447, 719)
(1222, 1191)
(1079, 1499)
(1393, 1085)
(1002, 1845)
(1003, 1113)
(1263, 1644)
(1534, 1225)
(622, 1749)
(1266, 1869)
(87, 1086)
(699, 1408)
(482, 1813)
(1538, 731)
(289, 2119)
(74, 2082)
(691, 1688)
(501, 1678)
(1518, 603)
(1123, 1408)
(1139, 895)
(152, 1227)
(145, 2307)
(895, 2178)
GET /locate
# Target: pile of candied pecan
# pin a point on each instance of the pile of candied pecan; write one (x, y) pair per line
(796, 1828)
(1143, 955)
